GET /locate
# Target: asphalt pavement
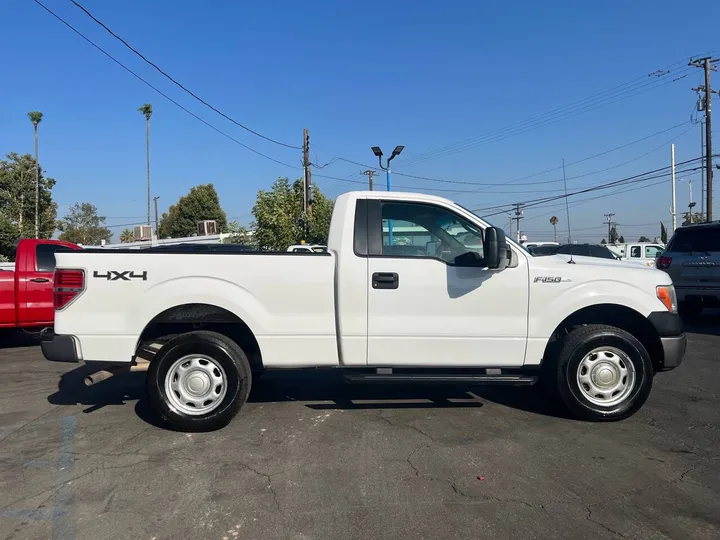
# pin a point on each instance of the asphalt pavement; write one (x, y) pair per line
(312, 458)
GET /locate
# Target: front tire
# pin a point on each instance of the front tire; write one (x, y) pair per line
(198, 381)
(603, 373)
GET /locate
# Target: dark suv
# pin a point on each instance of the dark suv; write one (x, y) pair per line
(692, 259)
(584, 250)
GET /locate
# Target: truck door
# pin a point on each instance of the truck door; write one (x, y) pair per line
(35, 288)
(427, 309)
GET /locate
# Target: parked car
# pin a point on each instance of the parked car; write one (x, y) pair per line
(579, 250)
(692, 259)
(596, 331)
(26, 291)
(639, 252)
(307, 248)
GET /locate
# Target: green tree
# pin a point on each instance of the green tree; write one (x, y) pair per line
(621, 239)
(200, 204)
(613, 235)
(644, 239)
(697, 217)
(663, 233)
(238, 234)
(35, 118)
(603, 242)
(127, 235)
(82, 225)
(147, 111)
(17, 201)
(279, 216)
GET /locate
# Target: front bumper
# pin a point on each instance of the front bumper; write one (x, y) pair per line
(58, 348)
(673, 351)
(669, 327)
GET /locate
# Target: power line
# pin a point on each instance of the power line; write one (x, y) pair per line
(171, 100)
(201, 100)
(628, 180)
(580, 106)
(655, 149)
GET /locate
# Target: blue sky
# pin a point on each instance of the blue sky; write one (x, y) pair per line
(423, 74)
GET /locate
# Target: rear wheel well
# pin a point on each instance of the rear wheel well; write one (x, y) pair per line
(615, 315)
(189, 317)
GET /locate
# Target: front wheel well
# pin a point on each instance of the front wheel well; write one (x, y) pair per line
(615, 315)
(186, 318)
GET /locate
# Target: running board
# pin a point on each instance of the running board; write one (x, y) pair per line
(439, 378)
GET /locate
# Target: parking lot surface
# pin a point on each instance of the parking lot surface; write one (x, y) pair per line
(312, 458)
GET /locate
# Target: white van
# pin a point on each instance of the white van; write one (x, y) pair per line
(643, 253)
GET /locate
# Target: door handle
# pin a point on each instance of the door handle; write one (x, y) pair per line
(385, 280)
(40, 280)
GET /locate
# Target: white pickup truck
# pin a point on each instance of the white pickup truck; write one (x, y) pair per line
(413, 288)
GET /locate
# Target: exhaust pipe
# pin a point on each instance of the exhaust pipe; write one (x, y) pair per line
(105, 374)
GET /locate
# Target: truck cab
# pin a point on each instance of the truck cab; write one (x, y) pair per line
(26, 290)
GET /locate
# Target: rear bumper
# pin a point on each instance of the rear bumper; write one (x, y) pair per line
(698, 293)
(58, 348)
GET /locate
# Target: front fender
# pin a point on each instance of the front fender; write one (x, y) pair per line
(546, 313)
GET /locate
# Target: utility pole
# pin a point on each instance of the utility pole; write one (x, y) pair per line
(672, 166)
(708, 65)
(307, 179)
(610, 223)
(517, 217)
(369, 174)
(702, 169)
(155, 200)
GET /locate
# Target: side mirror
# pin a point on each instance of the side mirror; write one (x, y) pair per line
(497, 254)
(431, 248)
(469, 259)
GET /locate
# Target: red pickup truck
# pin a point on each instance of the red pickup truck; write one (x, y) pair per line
(26, 293)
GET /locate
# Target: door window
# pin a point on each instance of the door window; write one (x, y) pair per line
(652, 252)
(636, 252)
(45, 256)
(424, 230)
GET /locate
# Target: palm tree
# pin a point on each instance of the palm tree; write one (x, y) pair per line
(127, 236)
(147, 112)
(36, 117)
(554, 222)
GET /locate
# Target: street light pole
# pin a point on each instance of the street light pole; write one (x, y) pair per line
(388, 174)
(691, 204)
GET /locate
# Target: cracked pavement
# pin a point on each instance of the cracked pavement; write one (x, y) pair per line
(311, 458)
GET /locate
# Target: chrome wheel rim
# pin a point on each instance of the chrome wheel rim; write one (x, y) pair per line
(195, 384)
(606, 376)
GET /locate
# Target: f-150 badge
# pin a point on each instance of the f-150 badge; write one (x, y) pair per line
(125, 275)
(550, 279)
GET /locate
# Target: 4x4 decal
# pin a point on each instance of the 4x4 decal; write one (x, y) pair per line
(125, 275)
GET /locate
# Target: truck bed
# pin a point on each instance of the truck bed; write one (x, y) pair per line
(286, 299)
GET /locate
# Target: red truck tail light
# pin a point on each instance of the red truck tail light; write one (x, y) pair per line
(663, 263)
(68, 284)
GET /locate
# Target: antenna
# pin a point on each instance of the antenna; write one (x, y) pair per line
(567, 212)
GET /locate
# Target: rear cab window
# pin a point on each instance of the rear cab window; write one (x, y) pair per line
(45, 256)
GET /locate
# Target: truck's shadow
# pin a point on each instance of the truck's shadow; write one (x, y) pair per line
(318, 390)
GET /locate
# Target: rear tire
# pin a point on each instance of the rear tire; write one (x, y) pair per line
(603, 373)
(198, 381)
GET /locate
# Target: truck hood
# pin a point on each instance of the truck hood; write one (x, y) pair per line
(596, 261)
(588, 269)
